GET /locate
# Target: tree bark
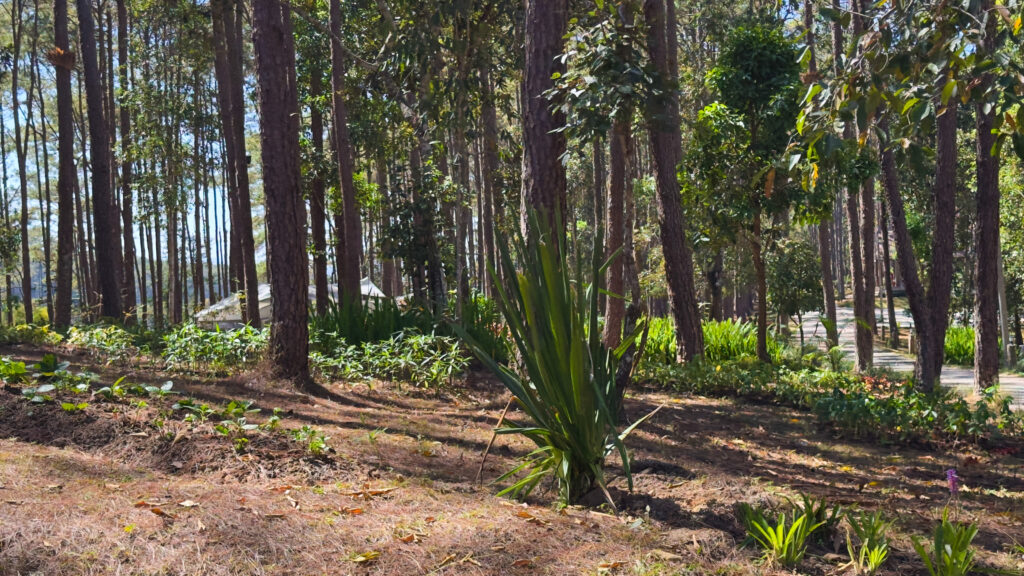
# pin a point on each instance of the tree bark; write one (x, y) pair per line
(986, 227)
(615, 312)
(894, 328)
(63, 61)
(126, 168)
(492, 183)
(318, 197)
(349, 277)
(930, 309)
(20, 148)
(108, 244)
(286, 220)
(544, 185)
(663, 126)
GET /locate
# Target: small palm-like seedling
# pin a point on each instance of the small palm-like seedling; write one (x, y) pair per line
(951, 553)
(871, 549)
(820, 512)
(783, 541)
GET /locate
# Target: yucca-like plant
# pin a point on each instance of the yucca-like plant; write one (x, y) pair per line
(951, 553)
(566, 381)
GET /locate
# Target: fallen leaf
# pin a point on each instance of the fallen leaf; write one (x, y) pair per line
(54, 487)
(161, 513)
(365, 557)
(609, 565)
(112, 486)
(446, 560)
(430, 519)
(280, 489)
(665, 555)
(522, 563)
(352, 511)
(188, 504)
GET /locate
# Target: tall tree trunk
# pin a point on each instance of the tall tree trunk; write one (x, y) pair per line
(8, 303)
(618, 160)
(349, 276)
(930, 309)
(20, 147)
(41, 140)
(543, 144)
(492, 184)
(63, 61)
(127, 214)
(318, 197)
(894, 328)
(286, 220)
(108, 244)
(663, 126)
(986, 227)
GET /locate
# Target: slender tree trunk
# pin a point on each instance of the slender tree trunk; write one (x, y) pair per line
(663, 126)
(986, 227)
(20, 146)
(544, 182)
(894, 328)
(43, 188)
(492, 184)
(318, 198)
(619, 151)
(349, 277)
(286, 219)
(127, 215)
(8, 288)
(63, 61)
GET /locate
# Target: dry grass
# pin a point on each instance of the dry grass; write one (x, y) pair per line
(79, 490)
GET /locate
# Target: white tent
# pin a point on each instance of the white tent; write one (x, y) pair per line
(228, 312)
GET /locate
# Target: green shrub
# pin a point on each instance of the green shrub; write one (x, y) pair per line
(110, 342)
(867, 407)
(191, 347)
(959, 345)
(568, 377)
(29, 334)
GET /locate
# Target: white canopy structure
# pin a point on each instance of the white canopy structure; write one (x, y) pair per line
(228, 312)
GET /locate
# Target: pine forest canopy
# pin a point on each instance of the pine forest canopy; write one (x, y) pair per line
(756, 160)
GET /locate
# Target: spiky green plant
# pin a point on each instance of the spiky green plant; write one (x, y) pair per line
(567, 376)
(951, 553)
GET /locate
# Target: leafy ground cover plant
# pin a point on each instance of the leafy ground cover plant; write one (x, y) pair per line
(426, 360)
(867, 407)
(109, 342)
(567, 374)
(190, 347)
(785, 540)
(951, 552)
(29, 334)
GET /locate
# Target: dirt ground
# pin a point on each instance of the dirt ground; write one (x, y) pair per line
(126, 488)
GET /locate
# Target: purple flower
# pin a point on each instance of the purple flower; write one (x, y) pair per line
(953, 480)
